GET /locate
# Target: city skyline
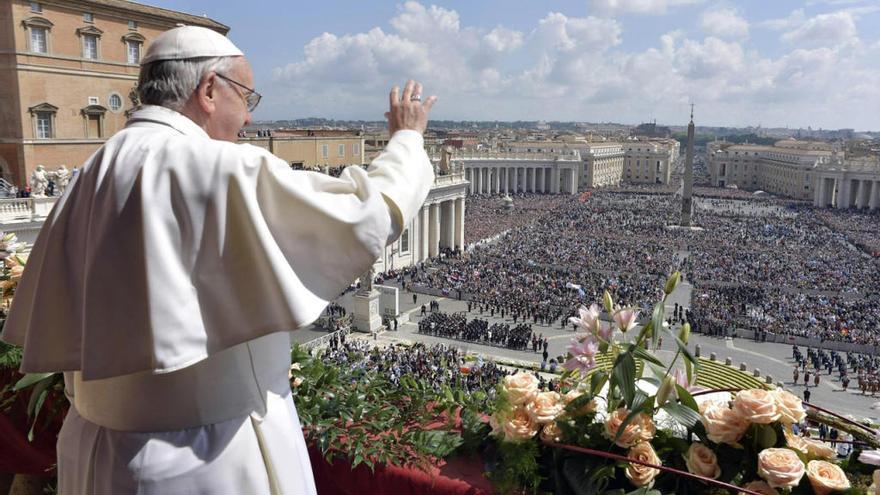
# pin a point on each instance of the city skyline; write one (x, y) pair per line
(786, 64)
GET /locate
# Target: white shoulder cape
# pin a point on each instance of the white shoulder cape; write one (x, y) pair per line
(169, 246)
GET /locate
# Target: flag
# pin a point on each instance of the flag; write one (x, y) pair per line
(569, 285)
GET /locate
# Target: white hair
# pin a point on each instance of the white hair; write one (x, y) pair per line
(170, 83)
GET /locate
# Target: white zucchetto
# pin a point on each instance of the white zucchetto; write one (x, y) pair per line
(190, 42)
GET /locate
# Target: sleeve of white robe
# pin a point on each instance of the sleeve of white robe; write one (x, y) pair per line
(172, 247)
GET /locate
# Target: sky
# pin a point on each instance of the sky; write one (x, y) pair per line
(770, 63)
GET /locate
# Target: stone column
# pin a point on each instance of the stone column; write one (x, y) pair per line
(540, 171)
(459, 222)
(574, 181)
(515, 180)
(875, 196)
(447, 229)
(497, 180)
(819, 193)
(554, 180)
(434, 230)
(857, 192)
(423, 233)
(506, 180)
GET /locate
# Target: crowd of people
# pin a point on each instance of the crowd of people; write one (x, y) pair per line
(457, 326)
(759, 263)
(437, 365)
(488, 216)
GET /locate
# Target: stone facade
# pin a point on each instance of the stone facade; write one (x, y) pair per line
(67, 69)
(785, 169)
(309, 152)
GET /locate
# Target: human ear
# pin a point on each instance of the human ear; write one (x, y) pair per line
(206, 93)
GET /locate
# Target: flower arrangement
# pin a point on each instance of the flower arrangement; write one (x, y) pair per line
(650, 432)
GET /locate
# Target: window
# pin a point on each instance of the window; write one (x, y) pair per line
(341, 149)
(325, 150)
(93, 100)
(88, 17)
(356, 150)
(43, 118)
(93, 120)
(36, 7)
(134, 52)
(39, 42)
(133, 43)
(404, 241)
(44, 125)
(90, 46)
(115, 102)
(132, 25)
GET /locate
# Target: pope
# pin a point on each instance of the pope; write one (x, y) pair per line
(166, 281)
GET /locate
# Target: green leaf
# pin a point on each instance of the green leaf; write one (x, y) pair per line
(766, 436)
(657, 322)
(644, 355)
(686, 398)
(684, 350)
(683, 414)
(41, 398)
(597, 381)
(30, 379)
(624, 374)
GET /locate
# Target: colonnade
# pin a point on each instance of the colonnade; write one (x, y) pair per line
(503, 179)
(847, 193)
(441, 225)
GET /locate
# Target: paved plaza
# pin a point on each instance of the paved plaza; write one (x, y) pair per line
(771, 359)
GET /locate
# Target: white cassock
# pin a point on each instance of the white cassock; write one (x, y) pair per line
(164, 284)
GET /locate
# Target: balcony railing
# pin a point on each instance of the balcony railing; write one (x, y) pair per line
(25, 209)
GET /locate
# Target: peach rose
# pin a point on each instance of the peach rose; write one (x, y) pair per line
(297, 381)
(780, 468)
(723, 424)
(638, 474)
(756, 406)
(518, 426)
(791, 408)
(761, 487)
(702, 461)
(820, 449)
(545, 407)
(826, 477)
(874, 489)
(640, 429)
(573, 394)
(551, 433)
(795, 442)
(521, 388)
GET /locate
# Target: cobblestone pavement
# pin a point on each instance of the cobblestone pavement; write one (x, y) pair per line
(771, 359)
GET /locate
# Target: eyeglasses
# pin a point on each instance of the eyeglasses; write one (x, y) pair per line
(251, 98)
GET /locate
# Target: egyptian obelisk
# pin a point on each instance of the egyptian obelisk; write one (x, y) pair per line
(688, 186)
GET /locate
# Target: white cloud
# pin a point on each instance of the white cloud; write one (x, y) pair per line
(502, 39)
(558, 32)
(794, 19)
(724, 23)
(614, 7)
(832, 29)
(577, 68)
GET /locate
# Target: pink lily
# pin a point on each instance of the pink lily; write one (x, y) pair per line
(626, 319)
(583, 356)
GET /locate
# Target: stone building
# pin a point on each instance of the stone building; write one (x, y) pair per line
(851, 183)
(788, 168)
(317, 150)
(67, 71)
